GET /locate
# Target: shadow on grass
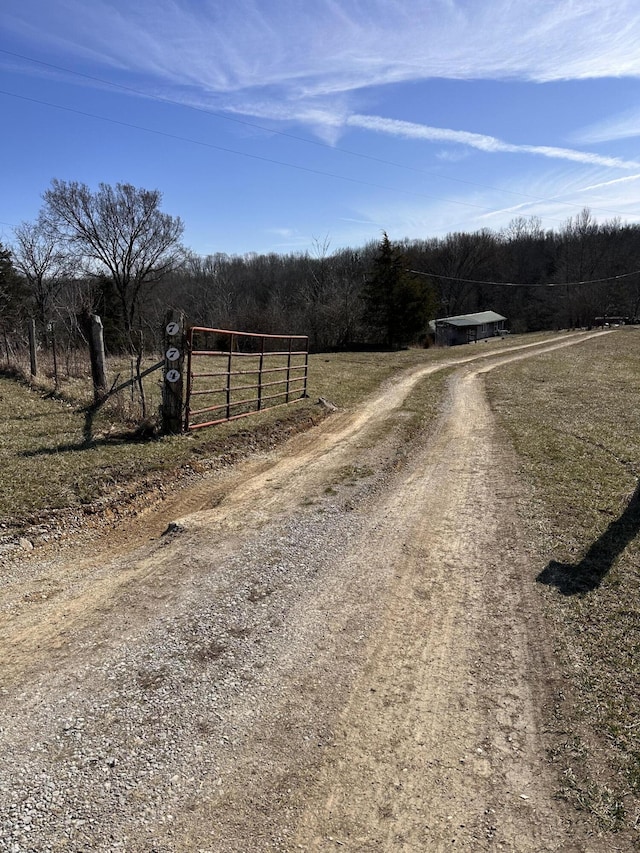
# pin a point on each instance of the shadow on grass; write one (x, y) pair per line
(588, 574)
(144, 432)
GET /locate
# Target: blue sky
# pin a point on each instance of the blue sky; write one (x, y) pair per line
(273, 125)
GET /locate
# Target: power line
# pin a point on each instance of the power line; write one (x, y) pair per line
(270, 160)
(270, 130)
(525, 284)
(303, 139)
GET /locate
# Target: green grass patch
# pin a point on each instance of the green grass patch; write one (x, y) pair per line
(573, 418)
(345, 378)
(48, 465)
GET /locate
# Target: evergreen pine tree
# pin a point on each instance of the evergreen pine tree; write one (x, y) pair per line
(397, 303)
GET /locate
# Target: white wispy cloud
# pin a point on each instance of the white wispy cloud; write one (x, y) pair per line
(623, 126)
(274, 60)
(284, 232)
(329, 121)
(450, 155)
(341, 47)
(490, 144)
(611, 183)
(440, 217)
(556, 195)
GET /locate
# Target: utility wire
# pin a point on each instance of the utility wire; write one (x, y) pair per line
(303, 139)
(525, 284)
(270, 130)
(307, 169)
(315, 172)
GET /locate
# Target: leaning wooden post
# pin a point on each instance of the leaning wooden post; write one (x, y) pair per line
(173, 385)
(33, 356)
(96, 354)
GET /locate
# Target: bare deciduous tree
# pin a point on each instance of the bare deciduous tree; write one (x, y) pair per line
(118, 230)
(38, 256)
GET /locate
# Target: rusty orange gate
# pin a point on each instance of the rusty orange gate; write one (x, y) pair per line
(234, 374)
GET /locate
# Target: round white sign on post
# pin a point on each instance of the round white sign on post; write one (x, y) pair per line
(173, 354)
(173, 328)
(172, 375)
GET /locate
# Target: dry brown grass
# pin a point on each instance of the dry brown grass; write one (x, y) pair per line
(48, 464)
(573, 417)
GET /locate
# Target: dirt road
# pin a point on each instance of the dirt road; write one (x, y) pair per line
(339, 646)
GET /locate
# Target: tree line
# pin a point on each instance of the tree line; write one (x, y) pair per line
(114, 252)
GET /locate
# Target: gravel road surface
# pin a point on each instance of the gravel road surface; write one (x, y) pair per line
(336, 646)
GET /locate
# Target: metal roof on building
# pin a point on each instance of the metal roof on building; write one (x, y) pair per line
(472, 319)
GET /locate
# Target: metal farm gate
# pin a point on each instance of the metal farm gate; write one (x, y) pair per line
(234, 374)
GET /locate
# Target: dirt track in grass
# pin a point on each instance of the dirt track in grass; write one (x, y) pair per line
(336, 646)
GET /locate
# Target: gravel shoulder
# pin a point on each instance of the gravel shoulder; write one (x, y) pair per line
(336, 645)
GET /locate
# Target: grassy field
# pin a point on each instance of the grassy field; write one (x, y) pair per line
(574, 419)
(48, 463)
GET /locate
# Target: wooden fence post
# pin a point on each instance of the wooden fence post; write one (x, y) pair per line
(173, 385)
(51, 328)
(95, 337)
(33, 356)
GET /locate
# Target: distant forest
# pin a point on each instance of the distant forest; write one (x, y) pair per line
(112, 252)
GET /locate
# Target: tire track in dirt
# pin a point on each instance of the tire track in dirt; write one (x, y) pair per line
(441, 743)
(310, 459)
(430, 727)
(71, 590)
